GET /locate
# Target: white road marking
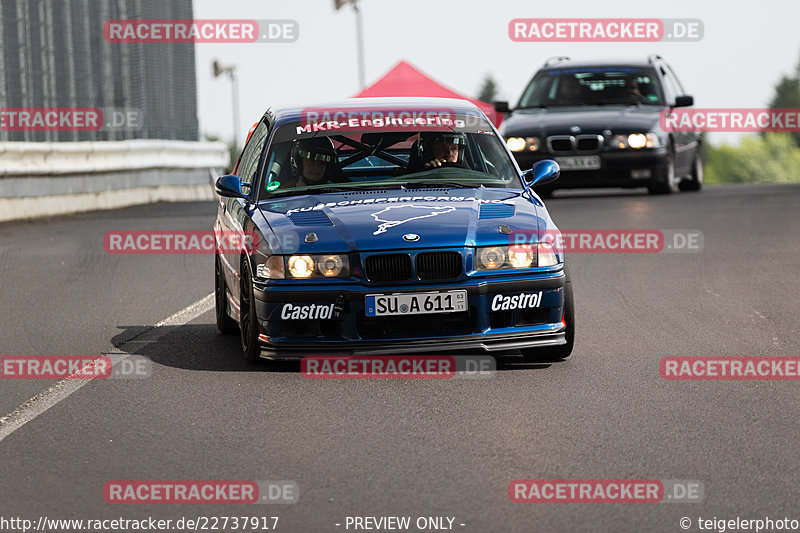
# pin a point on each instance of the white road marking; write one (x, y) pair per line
(61, 390)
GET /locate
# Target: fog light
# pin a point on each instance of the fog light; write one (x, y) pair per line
(640, 174)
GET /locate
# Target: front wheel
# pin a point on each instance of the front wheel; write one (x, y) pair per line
(695, 181)
(248, 321)
(225, 324)
(668, 185)
(554, 353)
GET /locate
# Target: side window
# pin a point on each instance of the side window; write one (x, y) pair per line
(252, 153)
(673, 88)
(681, 89)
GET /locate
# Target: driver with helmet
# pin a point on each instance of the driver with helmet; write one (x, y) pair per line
(442, 148)
(313, 161)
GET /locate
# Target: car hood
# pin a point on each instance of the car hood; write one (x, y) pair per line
(590, 119)
(379, 220)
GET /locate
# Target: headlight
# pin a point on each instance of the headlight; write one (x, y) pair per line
(301, 266)
(491, 257)
(518, 144)
(515, 256)
(315, 266)
(547, 256)
(652, 141)
(635, 141)
(515, 144)
(330, 266)
(271, 269)
(532, 144)
(521, 256)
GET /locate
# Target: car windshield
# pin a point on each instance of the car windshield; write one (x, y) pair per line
(593, 86)
(463, 151)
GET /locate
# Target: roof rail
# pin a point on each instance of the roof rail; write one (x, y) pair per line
(652, 58)
(556, 59)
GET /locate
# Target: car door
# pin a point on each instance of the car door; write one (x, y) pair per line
(237, 211)
(684, 142)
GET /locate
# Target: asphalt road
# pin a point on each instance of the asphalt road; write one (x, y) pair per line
(415, 447)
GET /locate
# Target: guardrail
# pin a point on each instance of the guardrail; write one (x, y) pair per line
(48, 158)
(53, 178)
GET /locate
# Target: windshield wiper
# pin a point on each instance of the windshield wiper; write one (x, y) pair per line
(312, 191)
(334, 188)
(436, 184)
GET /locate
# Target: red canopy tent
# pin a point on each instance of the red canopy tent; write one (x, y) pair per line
(404, 79)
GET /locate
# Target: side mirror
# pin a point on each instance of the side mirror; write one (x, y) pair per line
(684, 101)
(501, 106)
(229, 186)
(541, 173)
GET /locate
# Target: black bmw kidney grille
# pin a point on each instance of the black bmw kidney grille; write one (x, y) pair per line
(588, 144)
(438, 265)
(388, 267)
(561, 145)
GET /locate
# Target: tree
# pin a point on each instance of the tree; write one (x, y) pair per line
(488, 90)
(787, 96)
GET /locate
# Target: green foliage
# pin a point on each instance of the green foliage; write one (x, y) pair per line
(488, 91)
(787, 96)
(771, 158)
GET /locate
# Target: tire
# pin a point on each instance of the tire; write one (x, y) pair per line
(248, 322)
(225, 324)
(668, 185)
(554, 353)
(695, 182)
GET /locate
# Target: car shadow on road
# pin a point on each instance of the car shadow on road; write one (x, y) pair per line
(193, 347)
(201, 347)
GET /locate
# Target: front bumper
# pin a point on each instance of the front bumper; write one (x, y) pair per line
(619, 168)
(484, 328)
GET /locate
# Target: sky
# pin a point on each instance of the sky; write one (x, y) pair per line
(746, 48)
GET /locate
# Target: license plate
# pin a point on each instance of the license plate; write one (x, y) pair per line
(579, 162)
(417, 303)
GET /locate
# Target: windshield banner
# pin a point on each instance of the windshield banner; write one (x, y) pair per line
(322, 119)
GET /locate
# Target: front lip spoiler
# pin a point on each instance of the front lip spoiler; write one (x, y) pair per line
(484, 343)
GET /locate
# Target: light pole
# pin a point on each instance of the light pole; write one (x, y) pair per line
(230, 70)
(338, 4)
